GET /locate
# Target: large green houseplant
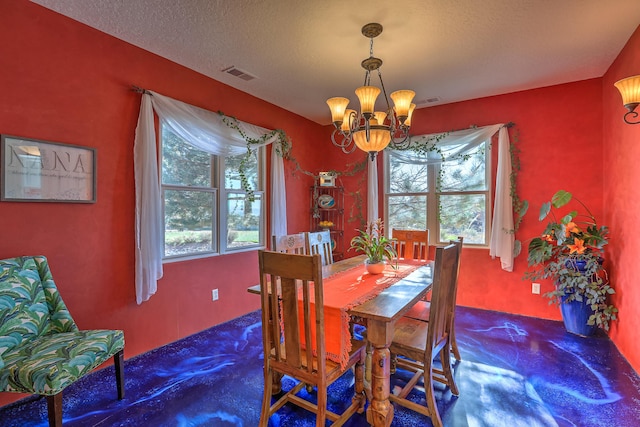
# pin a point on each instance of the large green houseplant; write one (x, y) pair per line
(375, 245)
(570, 251)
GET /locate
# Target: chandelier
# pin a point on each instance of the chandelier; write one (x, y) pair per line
(371, 130)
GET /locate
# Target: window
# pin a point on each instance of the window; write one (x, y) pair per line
(415, 185)
(200, 217)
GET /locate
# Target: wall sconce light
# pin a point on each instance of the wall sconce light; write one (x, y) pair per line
(630, 90)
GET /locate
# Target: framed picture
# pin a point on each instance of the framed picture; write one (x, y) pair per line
(327, 179)
(40, 171)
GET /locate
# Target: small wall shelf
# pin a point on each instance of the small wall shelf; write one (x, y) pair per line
(327, 205)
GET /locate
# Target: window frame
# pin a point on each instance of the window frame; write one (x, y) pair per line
(433, 198)
(219, 208)
(223, 206)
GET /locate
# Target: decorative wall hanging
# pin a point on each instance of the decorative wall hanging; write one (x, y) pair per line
(39, 171)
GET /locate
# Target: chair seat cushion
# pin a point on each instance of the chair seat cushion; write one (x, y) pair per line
(50, 363)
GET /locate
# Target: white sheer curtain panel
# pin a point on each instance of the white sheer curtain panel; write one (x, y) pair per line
(149, 225)
(206, 131)
(502, 237)
(461, 142)
(372, 189)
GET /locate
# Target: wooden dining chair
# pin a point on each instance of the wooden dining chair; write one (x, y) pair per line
(319, 242)
(290, 243)
(420, 343)
(420, 310)
(411, 244)
(296, 304)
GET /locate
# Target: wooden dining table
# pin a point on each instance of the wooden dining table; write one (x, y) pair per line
(379, 313)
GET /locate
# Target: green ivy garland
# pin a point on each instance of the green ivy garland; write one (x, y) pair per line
(283, 148)
(421, 146)
(520, 207)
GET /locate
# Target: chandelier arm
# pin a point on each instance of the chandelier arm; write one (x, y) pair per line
(354, 121)
(384, 92)
(401, 142)
(633, 115)
(346, 144)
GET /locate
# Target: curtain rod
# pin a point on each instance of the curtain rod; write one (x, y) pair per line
(140, 90)
(506, 125)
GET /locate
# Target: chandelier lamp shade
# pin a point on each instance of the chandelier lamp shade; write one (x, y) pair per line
(630, 90)
(371, 130)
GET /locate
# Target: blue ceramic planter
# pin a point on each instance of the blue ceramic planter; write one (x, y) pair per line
(575, 315)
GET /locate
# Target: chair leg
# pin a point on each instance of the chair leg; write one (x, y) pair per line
(54, 409)
(445, 359)
(265, 412)
(454, 344)
(321, 416)
(118, 362)
(430, 396)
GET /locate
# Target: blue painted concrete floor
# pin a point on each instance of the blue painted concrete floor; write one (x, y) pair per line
(515, 371)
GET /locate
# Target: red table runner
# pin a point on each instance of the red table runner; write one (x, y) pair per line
(347, 289)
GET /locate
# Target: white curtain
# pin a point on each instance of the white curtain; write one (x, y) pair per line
(502, 237)
(372, 188)
(206, 131)
(464, 141)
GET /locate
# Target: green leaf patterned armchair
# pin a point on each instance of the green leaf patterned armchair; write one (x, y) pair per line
(42, 351)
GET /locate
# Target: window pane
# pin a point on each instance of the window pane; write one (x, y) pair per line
(407, 178)
(183, 164)
(463, 215)
(232, 170)
(243, 220)
(408, 212)
(188, 221)
(465, 174)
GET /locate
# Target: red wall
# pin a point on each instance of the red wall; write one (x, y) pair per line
(621, 190)
(551, 140)
(63, 81)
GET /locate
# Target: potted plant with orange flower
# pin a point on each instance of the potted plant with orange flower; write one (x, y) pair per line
(570, 251)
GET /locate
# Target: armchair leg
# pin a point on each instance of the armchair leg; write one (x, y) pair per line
(54, 409)
(118, 362)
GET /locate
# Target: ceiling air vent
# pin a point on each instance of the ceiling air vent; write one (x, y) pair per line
(238, 73)
(428, 101)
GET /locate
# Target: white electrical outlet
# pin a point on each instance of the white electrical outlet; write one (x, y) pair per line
(214, 295)
(535, 288)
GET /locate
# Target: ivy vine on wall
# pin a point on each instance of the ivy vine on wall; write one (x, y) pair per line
(283, 149)
(421, 145)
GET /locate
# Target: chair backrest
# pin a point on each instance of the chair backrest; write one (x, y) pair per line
(30, 304)
(454, 288)
(290, 243)
(411, 244)
(319, 242)
(292, 311)
(444, 277)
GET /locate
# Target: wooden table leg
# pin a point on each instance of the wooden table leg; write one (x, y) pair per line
(380, 410)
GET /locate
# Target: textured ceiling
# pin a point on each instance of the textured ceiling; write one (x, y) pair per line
(305, 51)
